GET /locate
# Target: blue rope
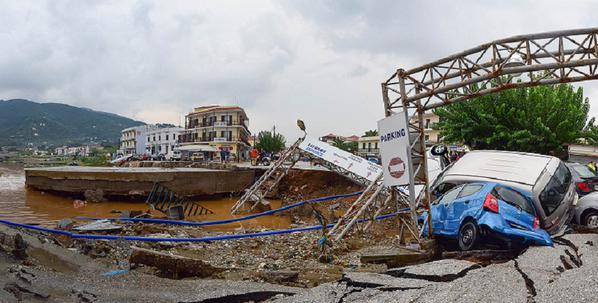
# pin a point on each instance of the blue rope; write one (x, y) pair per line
(192, 240)
(227, 221)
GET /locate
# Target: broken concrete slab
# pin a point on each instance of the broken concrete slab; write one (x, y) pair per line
(576, 285)
(375, 280)
(171, 265)
(279, 276)
(436, 271)
(47, 253)
(327, 292)
(542, 265)
(494, 283)
(393, 257)
(383, 296)
(587, 246)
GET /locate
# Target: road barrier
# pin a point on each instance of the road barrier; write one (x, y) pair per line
(227, 221)
(189, 240)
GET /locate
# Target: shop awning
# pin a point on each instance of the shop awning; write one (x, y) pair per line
(197, 148)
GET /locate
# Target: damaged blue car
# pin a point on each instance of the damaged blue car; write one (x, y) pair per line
(472, 211)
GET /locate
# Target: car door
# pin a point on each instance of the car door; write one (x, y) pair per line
(514, 207)
(456, 209)
(439, 213)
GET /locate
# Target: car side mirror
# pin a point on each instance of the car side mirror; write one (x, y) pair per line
(438, 150)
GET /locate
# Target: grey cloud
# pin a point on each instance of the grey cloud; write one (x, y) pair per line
(322, 61)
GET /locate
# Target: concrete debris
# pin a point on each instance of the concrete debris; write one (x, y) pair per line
(170, 265)
(279, 276)
(65, 224)
(437, 271)
(99, 226)
(94, 196)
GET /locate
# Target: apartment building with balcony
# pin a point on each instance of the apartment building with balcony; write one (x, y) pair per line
(432, 136)
(221, 128)
(368, 147)
(132, 140)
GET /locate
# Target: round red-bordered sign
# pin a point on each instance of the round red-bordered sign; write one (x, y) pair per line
(396, 167)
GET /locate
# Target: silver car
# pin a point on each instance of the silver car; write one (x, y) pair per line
(544, 179)
(586, 212)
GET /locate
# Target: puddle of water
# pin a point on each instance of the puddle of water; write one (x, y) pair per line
(18, 204)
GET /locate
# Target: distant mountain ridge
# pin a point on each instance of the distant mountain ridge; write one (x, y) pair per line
(24, 122)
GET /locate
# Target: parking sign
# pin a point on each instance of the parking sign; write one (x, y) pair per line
(394, 144)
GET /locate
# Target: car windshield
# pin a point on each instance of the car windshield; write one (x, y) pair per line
(555, 190)
(583, 171)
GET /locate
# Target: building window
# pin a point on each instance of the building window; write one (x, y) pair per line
(166, 148)
(369, 145)
(154, 138)
(427, 123)
(166, 137)
(426, 137)
(159, 138)
(147, 138)
(376, 145)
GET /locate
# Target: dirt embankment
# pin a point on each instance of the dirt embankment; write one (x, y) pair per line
(308, 184)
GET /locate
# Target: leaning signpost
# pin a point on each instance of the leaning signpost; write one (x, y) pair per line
(396, 159)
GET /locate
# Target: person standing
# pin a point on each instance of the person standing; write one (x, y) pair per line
(253, 156)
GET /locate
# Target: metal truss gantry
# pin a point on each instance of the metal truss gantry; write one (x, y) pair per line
(268, 181)
(371, 203)
(515, 62)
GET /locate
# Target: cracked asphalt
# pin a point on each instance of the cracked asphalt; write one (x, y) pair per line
(563, 273)
(567, 272)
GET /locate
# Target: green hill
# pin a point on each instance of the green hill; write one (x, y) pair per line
(24, 122)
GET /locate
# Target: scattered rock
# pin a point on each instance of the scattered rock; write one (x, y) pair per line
(66, 224)
(20, 248)
(94, 196)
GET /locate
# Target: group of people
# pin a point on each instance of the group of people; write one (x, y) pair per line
(256, 155)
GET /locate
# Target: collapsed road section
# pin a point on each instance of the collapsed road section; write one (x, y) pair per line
(39, 268)
(137, 181)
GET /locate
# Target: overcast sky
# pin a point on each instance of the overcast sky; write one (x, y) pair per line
(321, 61)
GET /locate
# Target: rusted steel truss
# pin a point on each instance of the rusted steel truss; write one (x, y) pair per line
(519, 61)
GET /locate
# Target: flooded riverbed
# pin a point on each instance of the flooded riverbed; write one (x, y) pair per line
(22, 205)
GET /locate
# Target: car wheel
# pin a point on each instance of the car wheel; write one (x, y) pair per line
(468, 236)
(591, 220)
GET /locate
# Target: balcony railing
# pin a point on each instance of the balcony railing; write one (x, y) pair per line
(192, 124)
(368, 150)
(201, 139)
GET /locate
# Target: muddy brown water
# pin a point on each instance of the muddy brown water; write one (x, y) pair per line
(24, 205)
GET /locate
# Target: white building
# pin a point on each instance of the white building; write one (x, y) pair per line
(132, 140)
(162, 140)
(82, 151)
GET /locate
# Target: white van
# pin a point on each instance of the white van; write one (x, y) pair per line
(543, 179)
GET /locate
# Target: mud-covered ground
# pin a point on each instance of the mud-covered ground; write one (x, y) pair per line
(42, 271)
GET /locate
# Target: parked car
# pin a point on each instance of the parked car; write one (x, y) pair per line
(374, 160)
(586, 211)
(468, 212)
(585, 180)
(176, 155)
(545, 180)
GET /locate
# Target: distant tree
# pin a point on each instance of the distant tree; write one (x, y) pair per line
(590, 133)
(346, 146)
(537, 119)
(269, 142)
(371, 133)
